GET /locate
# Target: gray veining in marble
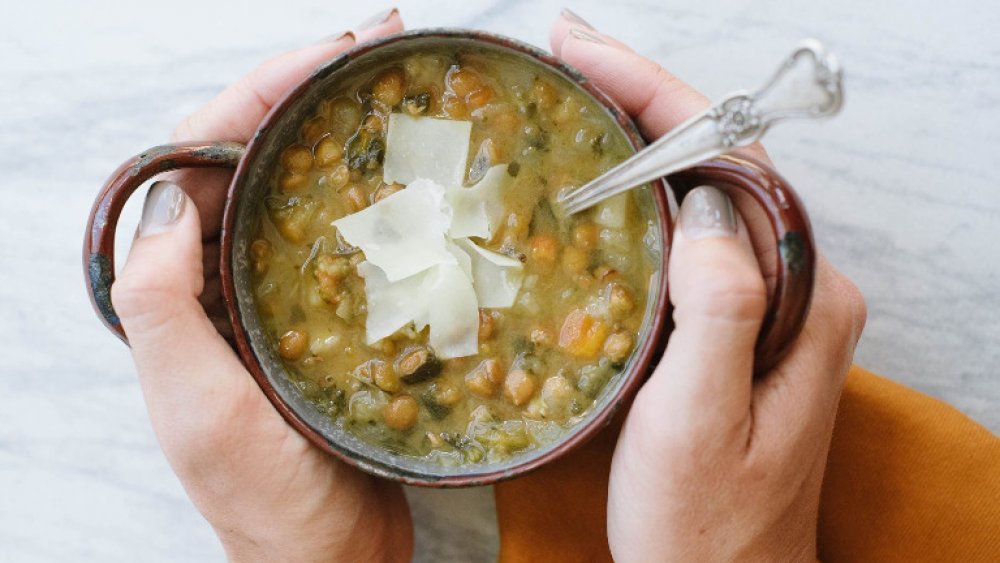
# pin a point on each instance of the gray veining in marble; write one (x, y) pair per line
(902, 188)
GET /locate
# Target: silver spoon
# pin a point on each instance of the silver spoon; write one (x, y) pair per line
(807, 84)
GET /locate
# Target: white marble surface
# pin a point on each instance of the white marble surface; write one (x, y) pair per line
(902, 189)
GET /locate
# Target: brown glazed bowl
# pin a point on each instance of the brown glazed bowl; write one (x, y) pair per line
(789, 303)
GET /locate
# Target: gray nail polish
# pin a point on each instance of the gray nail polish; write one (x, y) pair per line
(573, 17)
(378, 18)
(586, 36)
(338, 36)
(164, 205)
(707, 212)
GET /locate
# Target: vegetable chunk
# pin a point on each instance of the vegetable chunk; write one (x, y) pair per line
(582, 335)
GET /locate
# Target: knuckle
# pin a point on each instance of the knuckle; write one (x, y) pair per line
(667, 84)
(857, 306)
(139, 296)
(670, 87)
(184, 130)
(248, 86)
(847, 305)
(728, 295)
(758, 469)
(131, 297)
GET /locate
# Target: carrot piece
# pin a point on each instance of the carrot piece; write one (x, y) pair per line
(582, 335)
(544, 249)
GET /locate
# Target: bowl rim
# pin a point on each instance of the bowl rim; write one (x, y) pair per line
(643, 356)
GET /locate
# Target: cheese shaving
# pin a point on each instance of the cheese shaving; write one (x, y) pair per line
(497, 278)
(462, 257)
(421, 266)
(391, 305)
(453, 312)
(476, 210)
(442, 297)
(427, 148)
(402, 234)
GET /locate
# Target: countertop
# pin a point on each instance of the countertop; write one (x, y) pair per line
(902, 189)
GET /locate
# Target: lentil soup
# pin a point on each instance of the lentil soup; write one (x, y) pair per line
(584, 281)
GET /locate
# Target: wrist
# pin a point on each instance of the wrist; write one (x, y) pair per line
(795, 544)
(374, 526)
(313, 545)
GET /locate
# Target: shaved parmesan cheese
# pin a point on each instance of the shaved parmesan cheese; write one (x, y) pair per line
(453, 312)
(476, 211)
(463, 258)
(391, 305)
(420, 266)
(404, 233)
(427, 148)
(497, 278)
(442, 297)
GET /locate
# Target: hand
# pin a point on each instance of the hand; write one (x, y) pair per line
(711, 464)
(269, 494)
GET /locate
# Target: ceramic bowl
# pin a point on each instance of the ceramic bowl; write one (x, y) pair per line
(255, 162)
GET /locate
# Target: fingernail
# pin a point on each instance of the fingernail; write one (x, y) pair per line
(573, 17)
(338, 36)
(707, 212)
(164, 205)
(378, 18)
(586, 36)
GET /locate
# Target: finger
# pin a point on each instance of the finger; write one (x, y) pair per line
(706, 375)
(795, 404)
(184, 365)
(237, 111)
(658, 100)
(211, 295)
(568, 20)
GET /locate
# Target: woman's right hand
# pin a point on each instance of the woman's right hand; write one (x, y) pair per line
(712, 464)
(269, 494)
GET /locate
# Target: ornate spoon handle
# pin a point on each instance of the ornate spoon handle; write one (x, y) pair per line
(807, 84)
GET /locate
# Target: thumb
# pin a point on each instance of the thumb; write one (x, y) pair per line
(719, 302)
(183, 362)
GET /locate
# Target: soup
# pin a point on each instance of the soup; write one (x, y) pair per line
(566, 295)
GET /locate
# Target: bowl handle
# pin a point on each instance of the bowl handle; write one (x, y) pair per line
(99, 240)
(796, 256)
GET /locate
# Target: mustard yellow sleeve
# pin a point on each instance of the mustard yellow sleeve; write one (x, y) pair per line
(909, 479)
